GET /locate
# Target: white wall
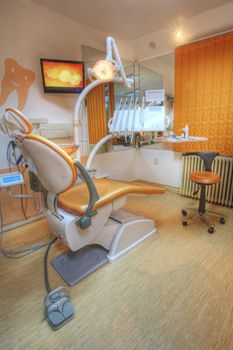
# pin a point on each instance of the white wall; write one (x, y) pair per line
(29, 32)
(134, 164)
(164, 167)
(119, 165)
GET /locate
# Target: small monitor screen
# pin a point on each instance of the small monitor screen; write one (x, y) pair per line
(62, 76)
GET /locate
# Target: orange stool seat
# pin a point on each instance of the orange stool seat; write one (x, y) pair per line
(205, 178)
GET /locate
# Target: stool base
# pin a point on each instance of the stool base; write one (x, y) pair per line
(189, 213)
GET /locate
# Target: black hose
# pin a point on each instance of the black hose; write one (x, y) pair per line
(46, 279)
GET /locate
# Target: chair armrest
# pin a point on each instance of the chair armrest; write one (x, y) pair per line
(85, 221)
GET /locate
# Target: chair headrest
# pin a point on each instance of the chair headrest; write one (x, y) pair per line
(16, 123)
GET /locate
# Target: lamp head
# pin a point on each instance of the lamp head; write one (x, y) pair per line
(104, 70)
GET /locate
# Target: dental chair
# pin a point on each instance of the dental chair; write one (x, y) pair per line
(82, 214)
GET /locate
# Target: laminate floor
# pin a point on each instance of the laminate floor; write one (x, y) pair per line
(173, 292)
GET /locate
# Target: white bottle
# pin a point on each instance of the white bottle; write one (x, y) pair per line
(186, 131)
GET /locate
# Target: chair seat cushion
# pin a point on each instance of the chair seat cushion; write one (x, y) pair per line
(204, 177)
(76, 199)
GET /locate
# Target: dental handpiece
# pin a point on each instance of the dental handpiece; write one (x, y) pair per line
(128, 115)
(114, 122)
(122, 115)
(142, 111)
(135, 109)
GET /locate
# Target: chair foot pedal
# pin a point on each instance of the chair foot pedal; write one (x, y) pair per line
(58, 309)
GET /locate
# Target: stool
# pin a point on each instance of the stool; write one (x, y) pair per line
(203, 179)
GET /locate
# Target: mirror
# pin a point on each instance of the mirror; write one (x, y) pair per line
(149, 79)
(158, 73)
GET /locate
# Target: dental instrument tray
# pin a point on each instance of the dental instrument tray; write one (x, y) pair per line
(131, 117)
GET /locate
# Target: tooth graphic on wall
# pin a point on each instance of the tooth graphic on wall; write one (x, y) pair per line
(16, 78)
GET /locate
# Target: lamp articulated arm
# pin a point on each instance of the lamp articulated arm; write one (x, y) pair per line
(112, 53)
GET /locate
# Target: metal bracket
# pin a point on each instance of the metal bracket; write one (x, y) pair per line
(12, 195)
(51, 201)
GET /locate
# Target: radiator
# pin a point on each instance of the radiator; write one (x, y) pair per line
(221, 193)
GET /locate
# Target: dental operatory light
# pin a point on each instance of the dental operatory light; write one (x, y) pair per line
(104, 70)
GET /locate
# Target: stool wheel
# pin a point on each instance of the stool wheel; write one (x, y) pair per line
(211, 229)
(184, 223)
(222, 221)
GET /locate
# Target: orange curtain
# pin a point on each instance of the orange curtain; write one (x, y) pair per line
(96, 110)
(97, 126)
(204, 94)
(111, 99)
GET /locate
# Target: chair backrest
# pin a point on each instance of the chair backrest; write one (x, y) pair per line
(16, 123)
(53, 167)
(207, 158)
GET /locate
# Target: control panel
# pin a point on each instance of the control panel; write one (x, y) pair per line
(11, 179)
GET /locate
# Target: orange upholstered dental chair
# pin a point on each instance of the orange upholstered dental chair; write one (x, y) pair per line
(86, 215)
(80, 213)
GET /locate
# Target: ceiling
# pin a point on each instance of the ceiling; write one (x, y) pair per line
(130, 19)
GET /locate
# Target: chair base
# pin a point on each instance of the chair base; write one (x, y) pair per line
(122, 232)
(75, 266)
(117, 231)
(189, 213)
